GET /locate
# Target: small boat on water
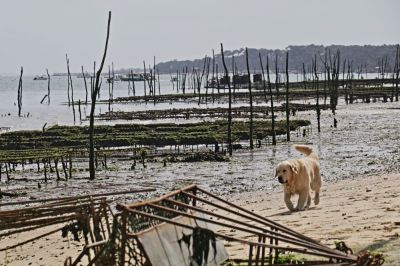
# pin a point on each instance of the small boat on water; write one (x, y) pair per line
(115, 78)
(42, 77)
(136, 77)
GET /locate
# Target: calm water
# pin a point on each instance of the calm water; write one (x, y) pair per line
(35, 115)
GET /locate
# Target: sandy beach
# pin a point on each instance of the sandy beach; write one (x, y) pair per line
(363, 212)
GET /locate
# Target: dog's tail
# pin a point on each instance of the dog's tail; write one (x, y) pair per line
(307, 150)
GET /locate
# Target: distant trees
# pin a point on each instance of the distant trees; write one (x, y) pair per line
(367, 56)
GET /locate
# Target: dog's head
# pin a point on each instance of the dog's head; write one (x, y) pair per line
(285, 172)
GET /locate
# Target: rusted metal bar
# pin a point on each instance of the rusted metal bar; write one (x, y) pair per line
(267, 221)
(256, 219)
(250, 262)
(346, 257)
(79, 197)
(271, 242)
(258, 250)
(124, 235)
(86, 249)
(276, 244)
(294, 242)
(121, 207)
(263, 252)
(271, 233)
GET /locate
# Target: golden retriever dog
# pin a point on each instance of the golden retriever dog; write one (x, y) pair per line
(299, 176)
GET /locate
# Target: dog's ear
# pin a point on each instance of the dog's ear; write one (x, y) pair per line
(294, 169)
(276, 172)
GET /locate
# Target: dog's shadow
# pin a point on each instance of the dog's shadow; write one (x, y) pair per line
(291, 212)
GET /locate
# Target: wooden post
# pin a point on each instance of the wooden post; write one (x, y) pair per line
(316, 80)
(96, 90)
(70, 165)
(86, 90)
(144, 78)
(63, 163)
(48, 86)
(133, 85)
(233, 76)
(45, 170)
(56, 167)
(230, 103)
(213, 76)
(70, 100)
(397, 68)
(79, 108)
(251, 101)
(7, 172)
(271, 97)
(109, 89)
(20, 92)
(276, 76)
(272, 104)
(287, 98)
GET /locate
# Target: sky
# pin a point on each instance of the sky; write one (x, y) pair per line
(36, 34)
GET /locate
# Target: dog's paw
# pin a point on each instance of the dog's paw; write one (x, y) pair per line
(316, 200)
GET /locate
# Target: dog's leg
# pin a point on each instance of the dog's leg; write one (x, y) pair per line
(302, 200)
(288, 202)
(308, 200)
(316, 198)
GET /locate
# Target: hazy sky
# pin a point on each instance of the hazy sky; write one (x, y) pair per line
(36, 34)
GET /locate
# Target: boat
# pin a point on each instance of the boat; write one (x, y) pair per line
(133, 77)
(117, 77)
(42, 77)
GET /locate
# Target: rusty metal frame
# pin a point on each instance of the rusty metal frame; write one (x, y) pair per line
(272, 238)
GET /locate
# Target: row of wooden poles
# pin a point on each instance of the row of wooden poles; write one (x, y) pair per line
(49, 165)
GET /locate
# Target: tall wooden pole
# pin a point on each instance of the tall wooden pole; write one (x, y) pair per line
(272, 104)
(230, 103)
(20, 92)
(287, 98)
(48, 86)
(86, 90)
(251, 100)
(92, 109)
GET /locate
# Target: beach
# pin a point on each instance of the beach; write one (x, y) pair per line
(363, 211)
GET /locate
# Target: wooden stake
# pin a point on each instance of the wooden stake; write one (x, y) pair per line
(96, 90)
(251, 101)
